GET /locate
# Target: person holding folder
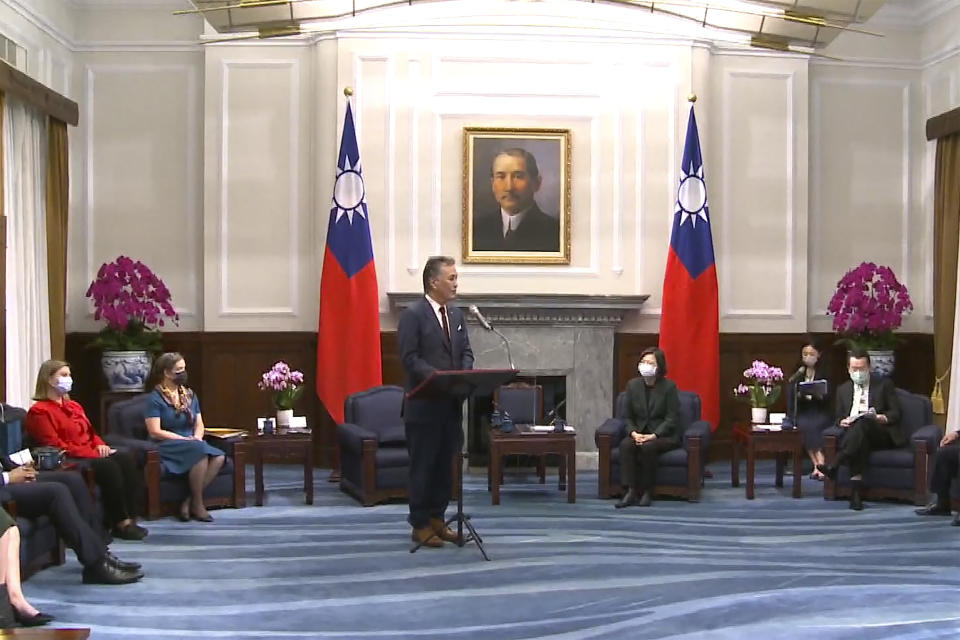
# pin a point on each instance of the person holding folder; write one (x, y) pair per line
(432, 336)
(869, 413)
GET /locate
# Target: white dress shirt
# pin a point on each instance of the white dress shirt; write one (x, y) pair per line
(511, 221)
(436, 311)
(861, 399)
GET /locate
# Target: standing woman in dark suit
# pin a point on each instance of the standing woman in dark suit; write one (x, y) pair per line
(653, 421)
(57, 421)
(432, 336)
(811, 415)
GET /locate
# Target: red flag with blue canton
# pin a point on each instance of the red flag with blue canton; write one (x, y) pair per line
(348, 340)
(689, 322)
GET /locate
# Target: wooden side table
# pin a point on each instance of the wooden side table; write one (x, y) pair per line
(564, 444)
(777, 442)
(290, 445)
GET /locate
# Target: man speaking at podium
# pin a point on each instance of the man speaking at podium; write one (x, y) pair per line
(432, 336)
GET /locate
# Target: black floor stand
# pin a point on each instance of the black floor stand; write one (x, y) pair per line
(462, 519)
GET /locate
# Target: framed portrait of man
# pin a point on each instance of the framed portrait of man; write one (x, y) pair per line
(516, 196)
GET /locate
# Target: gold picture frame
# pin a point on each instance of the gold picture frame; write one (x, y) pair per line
(512, 214)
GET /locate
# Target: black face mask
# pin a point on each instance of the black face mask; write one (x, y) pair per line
(180, 379)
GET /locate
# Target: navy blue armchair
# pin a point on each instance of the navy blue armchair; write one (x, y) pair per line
(679, 472)
(374, 464)
(898, 474)
(165, 492)
(40, 546)
(524, 403)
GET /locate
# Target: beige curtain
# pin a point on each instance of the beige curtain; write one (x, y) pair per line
(58, 186)
(3, 270)
(946, 239)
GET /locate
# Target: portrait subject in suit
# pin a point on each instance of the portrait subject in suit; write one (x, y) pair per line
(516, 196)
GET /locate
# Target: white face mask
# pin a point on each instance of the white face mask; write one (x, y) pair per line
(810, 361)
(647, 370)
(859, 377)
(64, 384)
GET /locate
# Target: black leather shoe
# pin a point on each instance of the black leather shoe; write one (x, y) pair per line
(856, 502)
(130, 532)
(645, 500)
(121, 564)
(36, 620)
(933, 509)
(829, 470)
(956, 520)
(629, 499)
(106, 573)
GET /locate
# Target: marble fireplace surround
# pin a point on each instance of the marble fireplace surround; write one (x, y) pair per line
(552, 335)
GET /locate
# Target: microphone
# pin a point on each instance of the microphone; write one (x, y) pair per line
(553, 412)
(799, 374)
(475, 312)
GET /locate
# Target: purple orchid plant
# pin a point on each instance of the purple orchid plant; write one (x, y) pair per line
(868, 305)
(763, 387)
(286, 385)
(134, 303)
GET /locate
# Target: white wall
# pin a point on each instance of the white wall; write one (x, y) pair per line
(215, 165)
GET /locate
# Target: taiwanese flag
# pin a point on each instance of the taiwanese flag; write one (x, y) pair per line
(348, 340)
(689, 324)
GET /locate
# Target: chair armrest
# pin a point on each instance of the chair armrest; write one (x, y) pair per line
(151, 479)
(351, 437)
(139, 448)
(227, 445)
(833, 431)
(699, 429)
(616, 428)
(930, 435)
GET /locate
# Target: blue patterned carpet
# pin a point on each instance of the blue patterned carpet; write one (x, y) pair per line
(774, 567)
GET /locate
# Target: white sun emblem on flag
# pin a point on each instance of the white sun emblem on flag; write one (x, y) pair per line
(348, 192)
(692, 197)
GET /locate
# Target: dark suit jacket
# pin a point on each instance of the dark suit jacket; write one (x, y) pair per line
(883, 398)
(663, 417)
(424, 350)
(537, 232)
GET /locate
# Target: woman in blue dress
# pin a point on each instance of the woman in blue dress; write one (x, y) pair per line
(174, 422)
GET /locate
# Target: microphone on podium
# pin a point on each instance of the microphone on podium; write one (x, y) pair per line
(796, 376)
(475, 312)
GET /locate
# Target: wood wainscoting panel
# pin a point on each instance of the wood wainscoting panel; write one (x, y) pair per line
(224, 368)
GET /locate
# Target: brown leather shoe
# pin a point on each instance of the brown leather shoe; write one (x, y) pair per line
(443, 532)
(427, 537)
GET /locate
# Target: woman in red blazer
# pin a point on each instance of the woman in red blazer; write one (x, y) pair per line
(57, 421)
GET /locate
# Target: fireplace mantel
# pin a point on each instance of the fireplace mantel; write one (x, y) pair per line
(531, 309)
(557, 335)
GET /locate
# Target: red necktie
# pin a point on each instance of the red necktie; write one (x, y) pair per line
(443, 321)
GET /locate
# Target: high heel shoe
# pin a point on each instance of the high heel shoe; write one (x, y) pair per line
(36, 620)
(206, 518)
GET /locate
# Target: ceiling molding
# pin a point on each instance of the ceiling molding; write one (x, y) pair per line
(173, 5)
(910, 14)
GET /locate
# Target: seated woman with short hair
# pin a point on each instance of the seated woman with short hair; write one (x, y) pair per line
(653, 421)
(174, 422)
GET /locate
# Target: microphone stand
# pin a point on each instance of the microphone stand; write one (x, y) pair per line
(506, 343)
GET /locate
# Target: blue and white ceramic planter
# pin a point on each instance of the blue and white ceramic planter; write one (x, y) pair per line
(881, 362)
(125, 370)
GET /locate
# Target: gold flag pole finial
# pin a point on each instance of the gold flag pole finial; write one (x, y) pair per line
(348, 91)
(691, 97)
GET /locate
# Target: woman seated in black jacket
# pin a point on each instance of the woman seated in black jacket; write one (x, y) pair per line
(811, 415)
(653, 424)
